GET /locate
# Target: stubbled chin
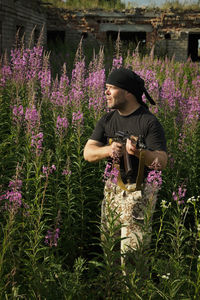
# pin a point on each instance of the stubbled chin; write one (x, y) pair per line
(110, 105)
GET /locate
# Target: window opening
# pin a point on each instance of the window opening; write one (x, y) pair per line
(194, 46)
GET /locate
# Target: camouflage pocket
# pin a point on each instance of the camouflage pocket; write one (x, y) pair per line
(138, 211)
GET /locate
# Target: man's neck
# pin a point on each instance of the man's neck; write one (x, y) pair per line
(128, 111)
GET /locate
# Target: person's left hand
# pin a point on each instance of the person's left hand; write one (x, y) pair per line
(130, 147)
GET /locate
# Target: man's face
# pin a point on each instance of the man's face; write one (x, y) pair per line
(116, 97)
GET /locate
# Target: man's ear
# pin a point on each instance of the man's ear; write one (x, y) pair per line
(127, 93)
(130, 96)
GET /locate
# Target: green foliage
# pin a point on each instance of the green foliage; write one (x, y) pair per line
(84, 4)
(118, 4)
(179, 6)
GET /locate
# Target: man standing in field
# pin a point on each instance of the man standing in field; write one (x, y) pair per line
(133, 141)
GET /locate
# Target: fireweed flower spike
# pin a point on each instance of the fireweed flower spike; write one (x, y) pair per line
(66, 172)
(59, 95)
(77, 119)
(95, 86)
(64, 80)
(36, 142)
(26, 64)
(179, 195)
(52, 237)
(18, 113)
(77, 84)
(111, 171)
(154, 179)
(48, 170)
(13, 196)
(117, 62)
(5, 74)
(61, 125)
(34, 62)
(153, 185)
(31, 116)
(170, 93)
(45, 77)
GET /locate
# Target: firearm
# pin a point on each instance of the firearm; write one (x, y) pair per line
(121, 137)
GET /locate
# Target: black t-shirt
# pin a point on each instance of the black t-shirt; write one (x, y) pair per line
(140, 122)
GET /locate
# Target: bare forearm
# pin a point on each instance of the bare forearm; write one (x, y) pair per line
(95, 153)
(154, 159)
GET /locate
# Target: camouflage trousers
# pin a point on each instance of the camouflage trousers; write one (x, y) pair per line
(134, 210)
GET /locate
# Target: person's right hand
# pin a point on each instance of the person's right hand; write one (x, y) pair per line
(116, 150)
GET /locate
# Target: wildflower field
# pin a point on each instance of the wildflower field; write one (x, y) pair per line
(50, 198)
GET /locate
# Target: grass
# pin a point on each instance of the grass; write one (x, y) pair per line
(118, 5)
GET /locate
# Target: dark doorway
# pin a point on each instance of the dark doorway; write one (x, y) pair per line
(126, 38)
(194, 46)
(54, 37)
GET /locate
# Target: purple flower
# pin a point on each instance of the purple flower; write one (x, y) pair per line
(193, 110)
(170, 93)
(13, 196)
(18, 110)
(66, 172)
(52, 237)
(61, 125)
(111, 172)
(179, 195)
(15, 184)
(32, 116)
(48, 170)
(58, 97)
(64, 81)
(36, 142)
(45, 81)
(53, 168)
(77, 84)
(45, 170)
(117, 62)
(78, 73)
(154, 179)
(95, 85)
(26, 64)
(5, 74)
(77, 119)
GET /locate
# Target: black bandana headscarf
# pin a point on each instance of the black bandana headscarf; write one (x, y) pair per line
(131, 82)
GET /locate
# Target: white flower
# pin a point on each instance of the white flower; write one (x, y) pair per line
(164, 204)
(191, 200)
(166, 276)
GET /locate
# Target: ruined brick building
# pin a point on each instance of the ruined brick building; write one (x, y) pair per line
(175, 33)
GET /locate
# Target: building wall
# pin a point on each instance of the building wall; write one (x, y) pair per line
(20, 14)
(158, 26)
(168, 31)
